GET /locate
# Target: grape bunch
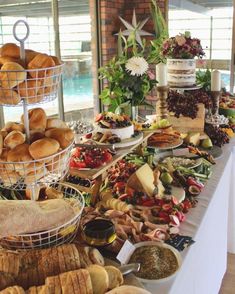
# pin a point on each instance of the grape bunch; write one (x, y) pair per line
(217, 136)
(182, 104)
(202, 97)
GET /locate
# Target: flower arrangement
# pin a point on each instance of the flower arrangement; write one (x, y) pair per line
(182, 46)
(128, 78)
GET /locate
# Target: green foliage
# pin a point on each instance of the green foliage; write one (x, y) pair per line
(121, 87)
(161, 33)
(203, 77)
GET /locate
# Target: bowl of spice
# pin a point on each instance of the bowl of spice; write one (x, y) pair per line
(159, 262)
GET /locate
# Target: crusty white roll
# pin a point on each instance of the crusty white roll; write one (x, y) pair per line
(40, 62)
(11, 75)
(10, 50)
(37, 119)
(19, 153)
(13, 126)
(29, 89)
(43, 148)
(9, 97)
(35, 166)
(64, 136)
(14, 139)
(53, 123)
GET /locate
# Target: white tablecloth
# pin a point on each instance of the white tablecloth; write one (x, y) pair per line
(204, 263)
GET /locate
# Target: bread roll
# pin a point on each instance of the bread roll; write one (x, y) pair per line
(1, 144)
(10, 50)
(9, 97)
(64, 136)
(5, 59)
(99, 278)
(3, 133)
(33, 100)
(56, 60)
(40, 61)
(34, 166)
(10, 79)
(14, 139)
(52, 193)
(115, 276)
(29, 88)
(37, 119)
(34, 176)
(19, 153)
(36, 135)
(43, 148)
(3, 156)
(13, 290)
(29, 55)
(9, 178)
(53, 123)
(13, 126)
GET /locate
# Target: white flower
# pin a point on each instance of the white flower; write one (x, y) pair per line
(137, 66)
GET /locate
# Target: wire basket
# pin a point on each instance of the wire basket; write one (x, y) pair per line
(29, 86)
(54, 237)
(22, 174)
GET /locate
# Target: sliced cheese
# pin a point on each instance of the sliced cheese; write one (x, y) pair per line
(143, 180)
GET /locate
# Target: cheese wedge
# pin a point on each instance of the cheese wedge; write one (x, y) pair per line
(142, 180)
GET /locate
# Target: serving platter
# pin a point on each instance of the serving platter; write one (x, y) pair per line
(173, 145)
(195, 163)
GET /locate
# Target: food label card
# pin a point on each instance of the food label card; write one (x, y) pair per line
(125, 253)
(181, 152)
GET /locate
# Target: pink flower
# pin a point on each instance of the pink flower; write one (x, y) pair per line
(151, 75)
(180, 40)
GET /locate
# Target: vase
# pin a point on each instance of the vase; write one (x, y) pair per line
(134, 113)
(181, 72)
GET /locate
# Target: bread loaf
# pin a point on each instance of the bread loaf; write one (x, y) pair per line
(37, 119)
(53, 123)
(9, 97)
(10, 50)
(14, 75)
(64, 136)
(14, 139)
(43, 148)
(40, 61)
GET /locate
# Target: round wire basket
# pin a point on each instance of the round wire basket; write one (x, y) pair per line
(53, 237)
(25, 174)
(31, 86)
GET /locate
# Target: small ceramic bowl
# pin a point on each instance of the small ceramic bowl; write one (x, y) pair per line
(99, 232)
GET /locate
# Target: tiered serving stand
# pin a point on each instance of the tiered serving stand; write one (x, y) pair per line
(46, 171)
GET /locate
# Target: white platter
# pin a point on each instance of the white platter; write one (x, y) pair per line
(172, 146)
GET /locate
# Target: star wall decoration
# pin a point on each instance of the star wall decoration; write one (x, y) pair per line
(136, 28)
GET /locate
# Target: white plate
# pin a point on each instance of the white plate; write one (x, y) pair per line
(172, 146)
(126, 142)
(177, 255)
(198, 161)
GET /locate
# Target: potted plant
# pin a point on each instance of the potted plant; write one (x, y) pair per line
(180, 52)
(127, 76)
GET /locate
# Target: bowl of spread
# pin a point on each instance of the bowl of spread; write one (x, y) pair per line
(99, 232)
(159, 262)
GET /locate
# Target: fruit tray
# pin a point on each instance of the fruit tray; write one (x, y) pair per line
(56, 236)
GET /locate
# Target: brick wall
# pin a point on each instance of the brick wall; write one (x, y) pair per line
(110, 10)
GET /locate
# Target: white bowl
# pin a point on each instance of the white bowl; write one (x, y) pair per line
(176, 253)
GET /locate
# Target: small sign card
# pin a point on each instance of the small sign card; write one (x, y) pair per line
(181, 152)
(126, 251)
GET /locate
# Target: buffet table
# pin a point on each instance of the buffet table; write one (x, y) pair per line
(210, 225)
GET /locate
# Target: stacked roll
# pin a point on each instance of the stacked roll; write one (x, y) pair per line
(32, 81)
